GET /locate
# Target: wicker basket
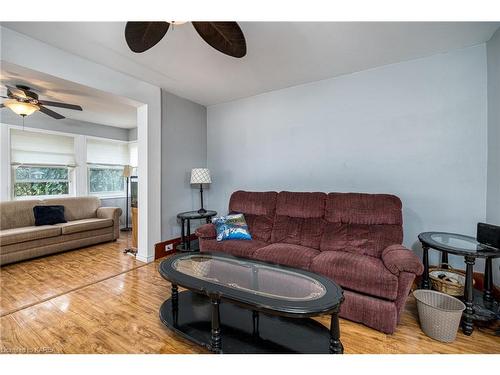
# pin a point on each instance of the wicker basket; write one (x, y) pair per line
(453, 282)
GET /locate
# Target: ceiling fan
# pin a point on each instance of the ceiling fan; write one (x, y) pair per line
(23, 101)
(225, 37)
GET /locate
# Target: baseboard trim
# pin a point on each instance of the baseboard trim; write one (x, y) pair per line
(160, 246)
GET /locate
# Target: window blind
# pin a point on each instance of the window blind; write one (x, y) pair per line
(132, 148)
(107, 152)
(41, 148)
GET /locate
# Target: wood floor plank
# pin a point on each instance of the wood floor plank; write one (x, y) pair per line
(98, 300)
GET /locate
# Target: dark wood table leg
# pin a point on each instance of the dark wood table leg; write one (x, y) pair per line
(175, 303)
(467, 321)
(215, 339)
(188, 235)
(425, 276)
(488, 282)
(255, 318)
(183, 235)
(336, 346)
(444, 259)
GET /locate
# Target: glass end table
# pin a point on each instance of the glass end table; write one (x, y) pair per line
(470, 249)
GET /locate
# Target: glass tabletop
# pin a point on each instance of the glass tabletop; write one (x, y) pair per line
(255, 278)
(457, 244)
(196, 214)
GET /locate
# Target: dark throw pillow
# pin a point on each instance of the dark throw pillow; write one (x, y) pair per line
(49, 215)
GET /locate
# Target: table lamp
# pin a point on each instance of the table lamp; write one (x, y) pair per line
(201, 176)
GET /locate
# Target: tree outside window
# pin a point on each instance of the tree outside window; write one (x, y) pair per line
(40, 181)
(106, 180)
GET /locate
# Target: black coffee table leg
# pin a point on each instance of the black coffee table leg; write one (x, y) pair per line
(336, 346)
(467, 324)
(487, 296)
(175, 303)
(425, 276)
(215, 339)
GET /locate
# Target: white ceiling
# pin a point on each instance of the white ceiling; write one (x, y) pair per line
(98, 107)
(280, 54)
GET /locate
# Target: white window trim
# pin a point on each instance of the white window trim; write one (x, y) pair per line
(105, 195)
(79, 183)
(71, 181)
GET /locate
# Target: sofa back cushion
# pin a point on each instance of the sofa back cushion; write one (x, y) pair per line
(362, 223)
(259, 209)
(76, 208)
(299, 219)
(17, 214)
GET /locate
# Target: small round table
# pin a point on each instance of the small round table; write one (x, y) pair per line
(470, 249)
(186, 218)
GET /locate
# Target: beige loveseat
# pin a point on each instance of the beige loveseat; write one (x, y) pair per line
(87, 224)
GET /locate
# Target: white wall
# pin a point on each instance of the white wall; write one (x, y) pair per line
(19, 49)
(184, 146)
(416, 129)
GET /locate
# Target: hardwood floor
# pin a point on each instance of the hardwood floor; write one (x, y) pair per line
(98, 300)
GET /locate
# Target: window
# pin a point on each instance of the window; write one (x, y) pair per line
(106, 160)
(106, 180)
(41, 181)
(42, 163)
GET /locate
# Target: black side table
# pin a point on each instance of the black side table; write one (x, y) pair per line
(186, 217)
(470, 249)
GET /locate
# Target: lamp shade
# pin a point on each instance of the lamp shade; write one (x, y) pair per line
(21, 108)
(200, 176)
(127, 171)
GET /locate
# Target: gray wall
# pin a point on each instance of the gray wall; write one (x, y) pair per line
(417, 129)
(493, 195)
(184, 146)
(40, 121)
(493, 189)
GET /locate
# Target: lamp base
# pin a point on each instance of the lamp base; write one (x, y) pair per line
(202, 211)
(125, 229)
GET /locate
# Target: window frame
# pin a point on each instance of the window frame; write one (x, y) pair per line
(70, 180)
(106, 194)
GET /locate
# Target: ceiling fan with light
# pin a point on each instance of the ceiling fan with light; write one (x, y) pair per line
(225, 37)
(24, 102)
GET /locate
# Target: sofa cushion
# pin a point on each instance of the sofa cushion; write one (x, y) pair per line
(362, 223)
(239, 248)
(287, 255)
(299, 219)
(360, 273)
(16, 235)
(76, 208)
(362, 239)
(17, 214)
(83, 225)
(258, 208)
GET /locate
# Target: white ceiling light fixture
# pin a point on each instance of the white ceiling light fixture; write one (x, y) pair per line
(21, 108)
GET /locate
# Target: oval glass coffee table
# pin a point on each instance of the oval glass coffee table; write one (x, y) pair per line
(237, 305)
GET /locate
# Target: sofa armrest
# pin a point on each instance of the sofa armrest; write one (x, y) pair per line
(113, 213)
(206, 231)
(398, 258)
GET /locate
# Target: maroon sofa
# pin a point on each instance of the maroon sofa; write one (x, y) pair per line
(354, 239)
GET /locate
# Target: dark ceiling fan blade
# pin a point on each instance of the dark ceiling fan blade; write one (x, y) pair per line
(225, 37)
(60, 105)
(2, 105)
(17, 92)
(51, 113)
(141, 36)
